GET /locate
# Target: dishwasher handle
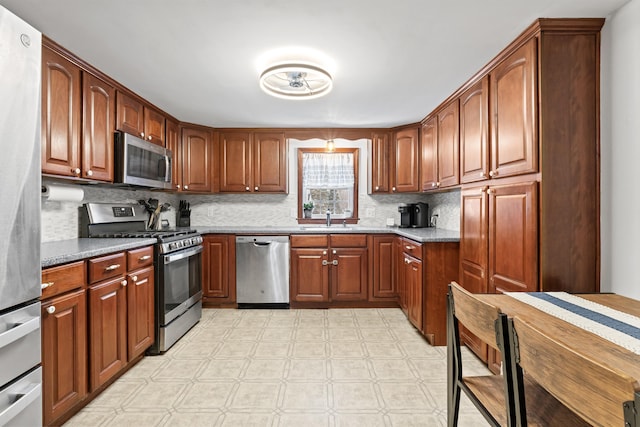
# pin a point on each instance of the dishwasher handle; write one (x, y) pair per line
(262, 244)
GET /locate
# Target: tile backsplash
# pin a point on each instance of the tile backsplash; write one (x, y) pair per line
(60, 219)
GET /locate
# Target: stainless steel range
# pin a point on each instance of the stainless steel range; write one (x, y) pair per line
(178, 265)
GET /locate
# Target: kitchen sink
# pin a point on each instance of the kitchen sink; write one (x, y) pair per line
(325, 228)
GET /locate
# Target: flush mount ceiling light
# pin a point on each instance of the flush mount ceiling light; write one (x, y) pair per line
(296, 81)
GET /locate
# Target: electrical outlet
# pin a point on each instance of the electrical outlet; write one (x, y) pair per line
(370, 212)
(210, 211)
(293, 213)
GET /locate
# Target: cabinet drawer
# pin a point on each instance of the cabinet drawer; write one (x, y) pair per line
(138, 258)
(412, 248)
(310, 241)
(348, 240)
(56, 280)
(106, 267)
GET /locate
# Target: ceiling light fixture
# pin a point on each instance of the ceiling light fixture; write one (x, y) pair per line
(296, 81)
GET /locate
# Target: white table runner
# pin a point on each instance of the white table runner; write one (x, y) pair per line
(620, 328)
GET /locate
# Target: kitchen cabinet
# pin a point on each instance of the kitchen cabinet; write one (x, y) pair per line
(474, 132)
(383, 268)
(138, 119)
(253, 162)
(327, 268)
(379, 152)
(140, 301)
(198, 150)
(219, 269)
(412, 275)
(406, 161)
(513, 113)
(440, 149)
(77, 120)
(64, 339)
(173, 143)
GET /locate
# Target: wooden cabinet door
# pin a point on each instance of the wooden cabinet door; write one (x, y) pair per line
(61, 114)
(382, 268)
(129, 115)
(197, 160)
(269, 162)
(108, 330)
(219, 269)
(474, 149)
(64, 353)
(173, 144)
(513, 238)
(406, 161)
(349, 276)
(235, 162)
(448, 146)
(429, 158)
(401, 285)
(413, 282)
(140, 311)
(309, 275)
(154, 126)
(99, 105)
(514, 148)
(474, 252)
(379, 173)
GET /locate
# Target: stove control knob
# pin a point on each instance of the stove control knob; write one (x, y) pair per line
(172, 246)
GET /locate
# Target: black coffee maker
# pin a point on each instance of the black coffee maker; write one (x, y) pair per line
(407, 211)
(420, 215)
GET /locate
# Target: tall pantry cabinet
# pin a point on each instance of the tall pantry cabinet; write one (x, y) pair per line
(529, 149)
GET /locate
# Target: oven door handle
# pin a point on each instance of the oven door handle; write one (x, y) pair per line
(20, 401)
(182, 255)
(18, 331)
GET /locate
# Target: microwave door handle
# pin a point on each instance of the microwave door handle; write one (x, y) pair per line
(167, 168)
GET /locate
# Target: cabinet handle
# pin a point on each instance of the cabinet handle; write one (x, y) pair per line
(112, 267)
(46, 285)
(186, 187)
(123, 283)
(409, 248)
(334, 262)
(325, 262)
(89, 172)
(134, 278)
(76, 171)
(393, 188)
(51, 309)
(144, 258)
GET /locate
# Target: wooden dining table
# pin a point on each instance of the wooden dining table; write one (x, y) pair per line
(578, 339)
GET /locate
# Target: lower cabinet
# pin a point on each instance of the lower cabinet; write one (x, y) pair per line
(383, 268)
(140, 311)
(218, 269)
(64, 353)
(413, 288)
(309, 274)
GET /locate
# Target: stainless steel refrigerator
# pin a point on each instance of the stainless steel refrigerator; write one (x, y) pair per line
(20, 356)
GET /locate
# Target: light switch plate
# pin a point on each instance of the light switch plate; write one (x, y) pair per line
(390, 222)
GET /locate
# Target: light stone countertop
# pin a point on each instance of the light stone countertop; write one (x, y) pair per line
(64, 251)
(423, 235)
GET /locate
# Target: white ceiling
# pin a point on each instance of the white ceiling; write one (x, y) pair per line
(394, 60)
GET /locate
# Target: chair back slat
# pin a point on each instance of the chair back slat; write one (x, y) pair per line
(477, 316)
(592, 390)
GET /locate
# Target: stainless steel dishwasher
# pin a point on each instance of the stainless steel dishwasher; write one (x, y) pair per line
(262, 271)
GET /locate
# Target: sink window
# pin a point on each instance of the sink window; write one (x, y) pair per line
(329, 181)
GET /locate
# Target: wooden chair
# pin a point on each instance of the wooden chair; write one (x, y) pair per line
(491, 394)
(585, 391)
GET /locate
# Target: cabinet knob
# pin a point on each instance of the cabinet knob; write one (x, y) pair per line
(246, 188)
(325, 262)
(377, 188)
(393, 188)
(256, 188)
(437, 184)
(483, 175)
(178, 186)
(433, 184)
(334, 252)
(51, 309)
(186, 187)
(407, 261)
(334, 262)
(149, 137)
(89, 172)
(46, 285)
(489, 191)
(134, 278)
(324, 252)
(141, 134)
(76, 171)
(123, 283)
(492, 173)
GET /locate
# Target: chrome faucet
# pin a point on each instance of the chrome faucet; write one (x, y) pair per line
(328, 218)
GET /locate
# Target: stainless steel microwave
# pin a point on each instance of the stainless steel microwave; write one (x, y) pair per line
(141, 163)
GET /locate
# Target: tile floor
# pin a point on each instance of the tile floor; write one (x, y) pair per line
(338, 367)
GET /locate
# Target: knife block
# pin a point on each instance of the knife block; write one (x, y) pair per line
(183, 221)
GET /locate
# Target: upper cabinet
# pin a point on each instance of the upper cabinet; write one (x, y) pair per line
(474, 132)
(513, 113)
(197, 155)
(429, 158)
(140, 120)
(379, 151)
(252, 162)
(77, 120)
(448, 157)
(173, 143)
(406, 160)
